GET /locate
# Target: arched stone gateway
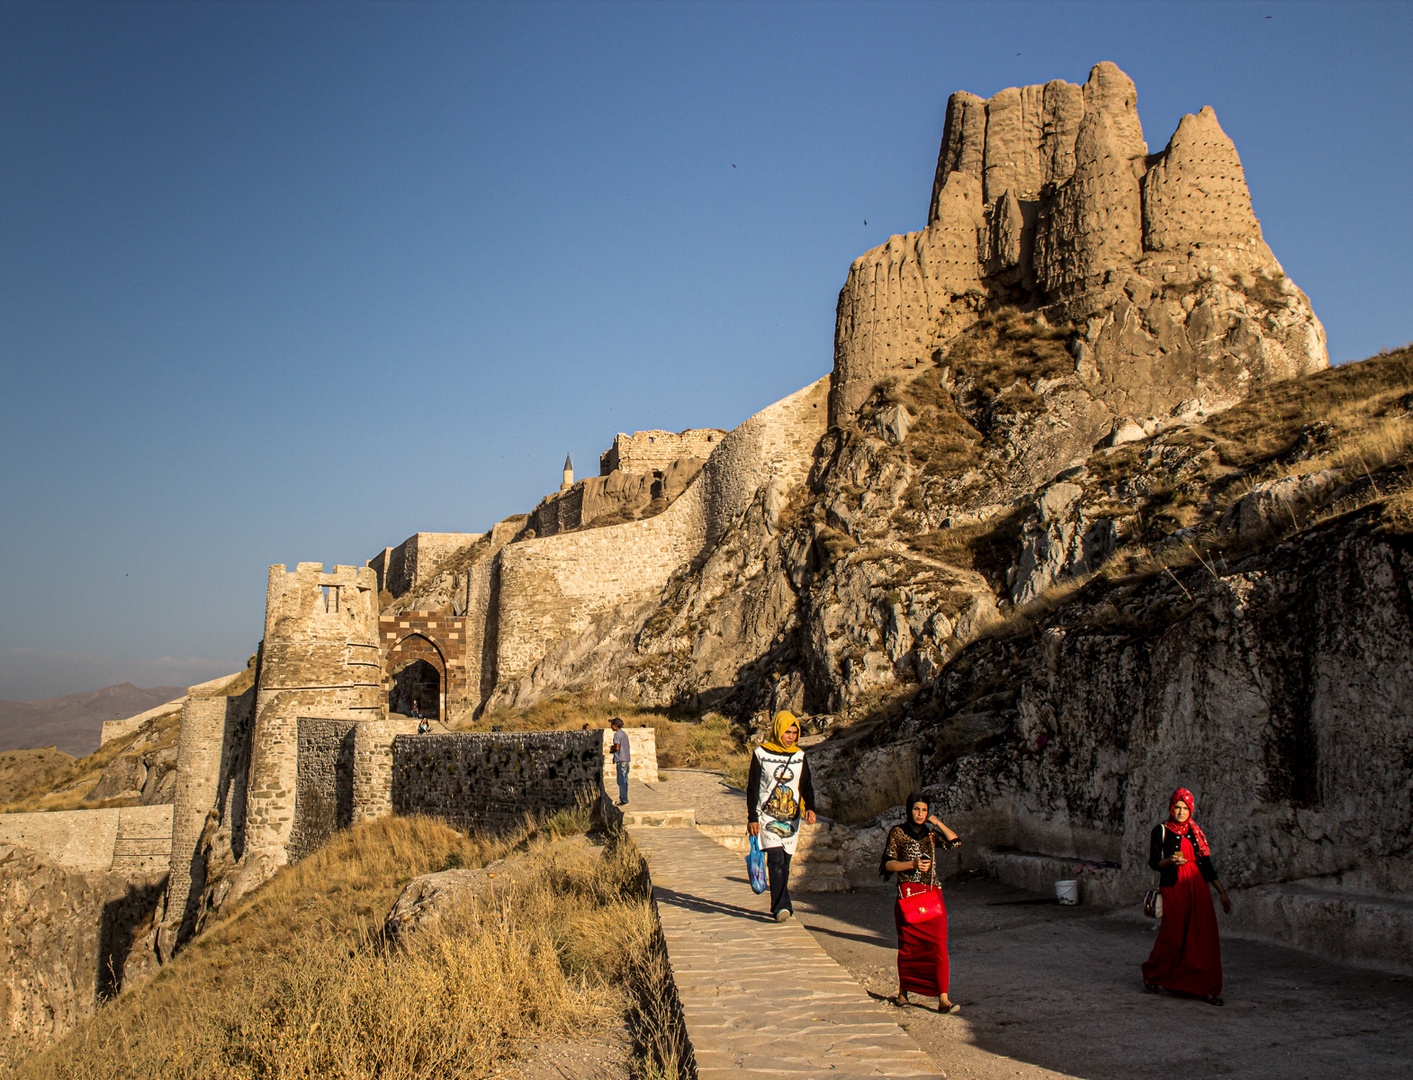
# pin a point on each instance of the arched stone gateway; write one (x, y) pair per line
(423, 659)
(418, 683)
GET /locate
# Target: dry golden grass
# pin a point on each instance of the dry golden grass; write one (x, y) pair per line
(565, 712)
(299, 983)
(987, 547)
(26, 772)
(1352, 399)
(1007, 347)
(713, 743)
(66, 788)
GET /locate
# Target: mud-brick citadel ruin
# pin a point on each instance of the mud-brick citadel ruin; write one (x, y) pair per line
(1071, 293)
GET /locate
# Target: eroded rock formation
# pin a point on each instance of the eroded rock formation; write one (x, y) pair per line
(1046, 198)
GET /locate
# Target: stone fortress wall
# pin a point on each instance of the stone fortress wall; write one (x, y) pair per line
(401, 569)
(560, 512)
(1046, 196)
(128, 839)
(320, 657)
(776, 445)
(654, 451)
(552, 588)
(495, 781)
(266, 777)
(213, 756)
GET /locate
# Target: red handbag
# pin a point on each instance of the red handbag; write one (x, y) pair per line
(920, 907)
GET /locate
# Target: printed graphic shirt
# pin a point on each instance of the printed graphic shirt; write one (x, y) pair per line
(778, 791)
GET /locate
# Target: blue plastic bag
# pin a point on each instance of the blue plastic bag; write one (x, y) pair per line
(755, 867)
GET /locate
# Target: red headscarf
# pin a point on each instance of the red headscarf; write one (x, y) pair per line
(1188, 827)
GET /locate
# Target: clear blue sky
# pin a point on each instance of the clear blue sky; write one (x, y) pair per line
(285, 282)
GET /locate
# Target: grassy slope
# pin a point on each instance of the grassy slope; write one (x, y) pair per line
(298, 983)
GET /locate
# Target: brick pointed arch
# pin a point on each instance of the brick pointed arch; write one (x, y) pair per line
(414, 646)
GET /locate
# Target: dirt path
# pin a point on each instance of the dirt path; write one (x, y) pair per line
(1048, 991)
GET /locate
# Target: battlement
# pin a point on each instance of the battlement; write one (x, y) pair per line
(308, 603)
(654, 451)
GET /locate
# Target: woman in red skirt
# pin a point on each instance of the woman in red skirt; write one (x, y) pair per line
(1187, 957)
(911, 853)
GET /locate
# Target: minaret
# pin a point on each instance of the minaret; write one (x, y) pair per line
(568, 474)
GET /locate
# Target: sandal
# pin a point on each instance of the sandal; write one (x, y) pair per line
(1152, 988)
(900, 1001)
(1213, 999)
(951, 1008)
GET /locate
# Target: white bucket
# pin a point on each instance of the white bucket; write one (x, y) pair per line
(1067, 892)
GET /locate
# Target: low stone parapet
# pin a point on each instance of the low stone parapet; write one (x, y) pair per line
(491, 782)
(1355, 928)
(133, 839)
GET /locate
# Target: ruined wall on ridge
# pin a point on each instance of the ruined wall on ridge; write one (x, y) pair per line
(552, 588)
(1045, 197)
(403, 568)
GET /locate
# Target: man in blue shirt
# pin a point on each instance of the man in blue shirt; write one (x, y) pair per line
(621, 756)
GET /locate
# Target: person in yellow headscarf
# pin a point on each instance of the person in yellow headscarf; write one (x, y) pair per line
(778, 788)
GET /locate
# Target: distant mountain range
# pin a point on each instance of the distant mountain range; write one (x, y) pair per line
(74, 722)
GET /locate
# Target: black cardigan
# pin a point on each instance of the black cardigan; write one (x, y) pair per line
(1164, 844)
(753, 782)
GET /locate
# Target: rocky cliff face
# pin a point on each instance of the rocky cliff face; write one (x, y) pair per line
(1046, 198)
(1275, 688)
(1070, 294)
(67, 942)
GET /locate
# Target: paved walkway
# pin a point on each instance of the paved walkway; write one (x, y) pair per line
(760, 999)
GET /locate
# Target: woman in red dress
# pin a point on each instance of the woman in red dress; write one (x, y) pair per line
(911, 853)
(1187, 957)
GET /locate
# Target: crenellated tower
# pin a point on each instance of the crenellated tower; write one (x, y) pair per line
(320, 658)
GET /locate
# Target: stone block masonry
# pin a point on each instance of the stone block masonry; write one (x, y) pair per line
(401, 569)
(323, 794)
(320, 657)
(131, 839)
(372, 765)
(491, 782)
(654, 451)
(441, 641)
(554, 587)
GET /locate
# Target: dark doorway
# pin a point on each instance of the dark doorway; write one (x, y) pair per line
(419, 681)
